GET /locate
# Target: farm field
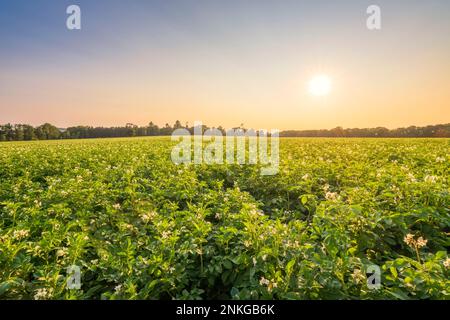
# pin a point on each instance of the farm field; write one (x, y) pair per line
(140, 227)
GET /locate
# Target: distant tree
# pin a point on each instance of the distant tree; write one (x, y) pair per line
(131, 130)
(2, 133)
(337, 132)
(9, 132)
(166, 131)
(18, 132)
(152, 129)
(47, 132)
(177, 125)
(28, 133)
(141, 131)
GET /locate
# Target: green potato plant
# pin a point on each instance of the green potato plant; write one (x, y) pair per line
(142, 227)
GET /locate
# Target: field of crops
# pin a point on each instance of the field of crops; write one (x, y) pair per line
(141, 227)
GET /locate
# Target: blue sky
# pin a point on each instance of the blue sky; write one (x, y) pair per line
(224, 62)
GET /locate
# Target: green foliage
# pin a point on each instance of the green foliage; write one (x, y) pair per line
(20, 132)
(141, 227)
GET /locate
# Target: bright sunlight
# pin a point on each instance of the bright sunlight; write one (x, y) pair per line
(320, 85)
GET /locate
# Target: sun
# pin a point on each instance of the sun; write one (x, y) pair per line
(320, 85)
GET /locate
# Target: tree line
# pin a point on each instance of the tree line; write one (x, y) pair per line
(432, 131)
(25, 132)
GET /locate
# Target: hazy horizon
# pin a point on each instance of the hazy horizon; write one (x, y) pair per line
(190, 125)
(225, 63)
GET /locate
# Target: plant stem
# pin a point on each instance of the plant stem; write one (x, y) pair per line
(417, 253)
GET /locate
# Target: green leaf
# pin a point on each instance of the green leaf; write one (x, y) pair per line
(399, 295)
(289, 266)
(227, 264)
(5, 286)
(304, 199)
(394, 272)
(234, 293)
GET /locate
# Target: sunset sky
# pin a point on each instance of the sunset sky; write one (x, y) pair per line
(225, 63)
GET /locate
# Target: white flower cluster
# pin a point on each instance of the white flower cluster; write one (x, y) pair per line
(430, 179)
(20, 234)
(43, 294)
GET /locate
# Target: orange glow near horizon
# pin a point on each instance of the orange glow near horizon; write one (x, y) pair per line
(257, 70)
